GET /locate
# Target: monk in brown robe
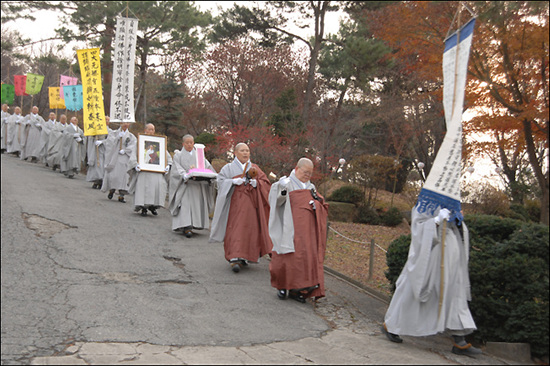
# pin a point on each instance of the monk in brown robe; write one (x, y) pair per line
(242, 211)
(298, 230)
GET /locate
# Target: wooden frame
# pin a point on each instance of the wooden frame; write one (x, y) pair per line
(151, 152)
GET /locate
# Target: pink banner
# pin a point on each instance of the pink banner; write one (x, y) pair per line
(66, 80)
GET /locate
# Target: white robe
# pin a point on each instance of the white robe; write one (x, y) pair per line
(116, 164)
(413, 310)
(191, 202)
(148, 188)
(32, 142)
(72, 151)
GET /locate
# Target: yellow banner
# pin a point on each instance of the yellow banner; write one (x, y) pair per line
(55, 99)
(94, 110)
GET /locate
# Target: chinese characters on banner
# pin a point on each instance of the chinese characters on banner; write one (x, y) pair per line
(65, 80)
(34, 83)
(8, 94)
(73, 97)
(20, 83)
(122, 92)
(94, 111)
(55, 100)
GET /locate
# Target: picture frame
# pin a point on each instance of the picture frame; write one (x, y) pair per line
(151, 152)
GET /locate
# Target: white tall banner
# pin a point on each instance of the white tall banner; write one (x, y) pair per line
(442, 186)
(122, 91)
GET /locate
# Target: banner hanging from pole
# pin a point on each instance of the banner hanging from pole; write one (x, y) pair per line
(94, 110)
(55, 100)
(66, 80)
(73, 97)
(34, 83)
(442, 186)
(122, 92)
(20, 84)
(8, 94)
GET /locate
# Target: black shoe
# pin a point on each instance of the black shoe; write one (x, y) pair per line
(153, 211)
(121, 199)
(467, 350)
(282, 294)
(143, 212)
(297, 296)
(235, 267)
(70, 176)
(110, 195)
(189, 233)
(392, 337)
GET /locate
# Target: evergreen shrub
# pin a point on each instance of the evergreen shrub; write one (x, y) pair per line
(367, 215)
(348, 194)
(392, 217)
(509, 279)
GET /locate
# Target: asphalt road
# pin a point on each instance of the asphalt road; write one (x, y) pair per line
(80, 269)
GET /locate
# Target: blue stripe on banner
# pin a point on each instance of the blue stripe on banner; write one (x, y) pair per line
(429, 201)
(465, 32)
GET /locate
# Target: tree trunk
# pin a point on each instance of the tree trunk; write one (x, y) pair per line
(537, 169)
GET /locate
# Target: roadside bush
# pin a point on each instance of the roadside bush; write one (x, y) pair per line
(392, 217)
(349, 194)
(509, 279)
(367, 215)
(533, 210)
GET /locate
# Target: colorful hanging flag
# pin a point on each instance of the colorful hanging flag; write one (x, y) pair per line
(122, 91)
(34, 83)
(442, 186)
(94, 110)
(73, 97)
(66, 80)
(8, 94)
(20, 84)
(55, 100)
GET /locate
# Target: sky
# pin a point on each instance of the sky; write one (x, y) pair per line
(47, 21)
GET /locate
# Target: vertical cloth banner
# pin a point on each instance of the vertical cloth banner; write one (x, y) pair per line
(20, 83)
(122, 92)
(73, 97)
(94, 110)
(8, 94)
(34, 83)
(66, 80)
(55, 100)
(442, 186)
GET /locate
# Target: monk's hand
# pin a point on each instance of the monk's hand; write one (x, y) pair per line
(238, 181)
(167, 169)
(122, 152)
(138, 169)
(253, 182)
(98, 142)
(185, 177)
(443, 215)
(284, 182)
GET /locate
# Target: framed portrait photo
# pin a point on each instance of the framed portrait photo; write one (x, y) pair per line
(152, 153)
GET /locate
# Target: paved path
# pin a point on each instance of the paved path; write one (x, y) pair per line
(85, 280)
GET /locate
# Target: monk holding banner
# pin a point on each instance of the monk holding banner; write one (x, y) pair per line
(191, 193)
(242, 211)
(298, 230)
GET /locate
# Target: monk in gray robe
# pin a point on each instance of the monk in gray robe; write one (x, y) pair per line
(95, 153)
(31, 143)
(55, 142)
(242, 211)
(4, 134)
(298, 230)
(15, 131)
(45, 136)
(119, 147)
(191, 201)
(149, 188)
(72, 150)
